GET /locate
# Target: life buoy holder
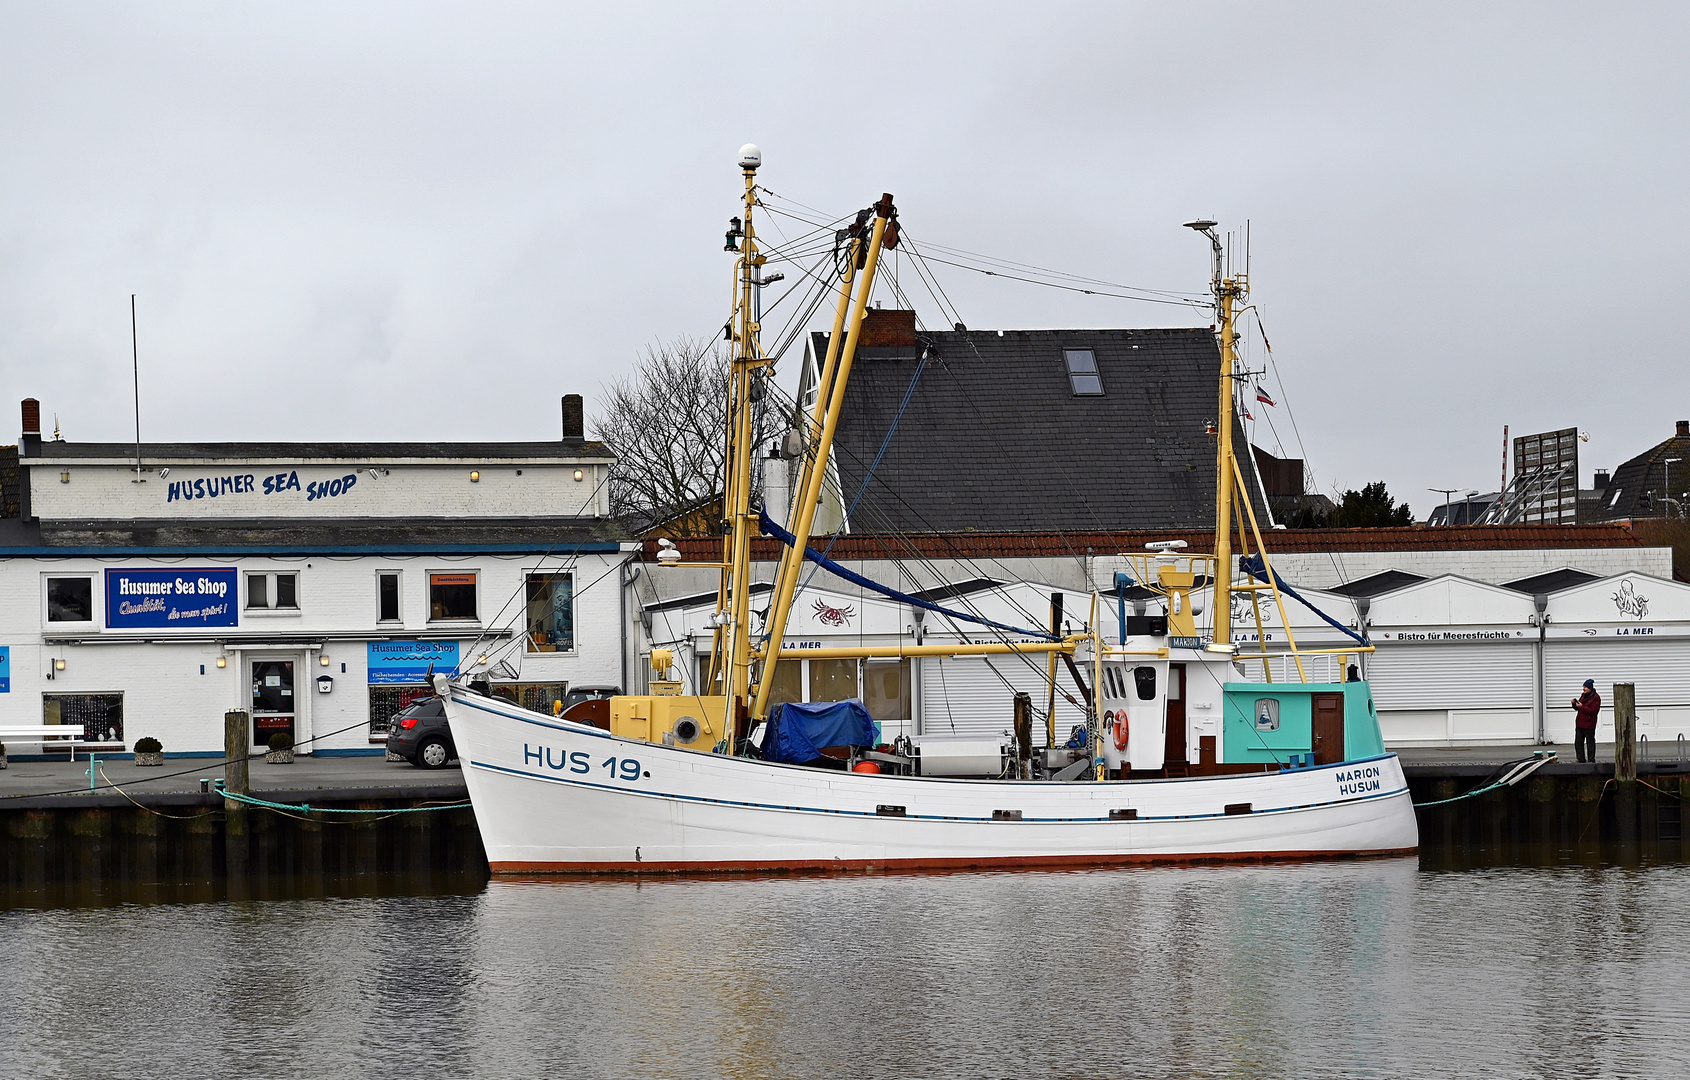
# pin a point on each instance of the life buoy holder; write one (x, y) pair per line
(1120, 729)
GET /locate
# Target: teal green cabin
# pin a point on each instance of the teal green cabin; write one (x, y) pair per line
(1286, 727)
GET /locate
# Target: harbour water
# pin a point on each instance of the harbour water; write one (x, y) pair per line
(1388, 968)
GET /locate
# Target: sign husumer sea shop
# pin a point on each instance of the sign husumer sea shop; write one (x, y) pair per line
(137, 599)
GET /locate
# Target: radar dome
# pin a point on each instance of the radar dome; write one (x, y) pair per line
(749, 156)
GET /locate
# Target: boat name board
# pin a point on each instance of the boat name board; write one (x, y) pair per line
(1185, 643)
(581, 762)
(1358, 781)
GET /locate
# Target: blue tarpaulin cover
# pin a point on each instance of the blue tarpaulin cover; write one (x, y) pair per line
(797, 731)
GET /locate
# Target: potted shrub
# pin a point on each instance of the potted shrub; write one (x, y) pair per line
(281, 749)
(149, 751)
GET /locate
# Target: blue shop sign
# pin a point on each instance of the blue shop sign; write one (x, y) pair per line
(186, 599)
(408, 661)
(5, 669)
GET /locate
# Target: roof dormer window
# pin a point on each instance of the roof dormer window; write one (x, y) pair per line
(1082, 372)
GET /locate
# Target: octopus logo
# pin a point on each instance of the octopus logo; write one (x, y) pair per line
(834, 616)
(1630, 602)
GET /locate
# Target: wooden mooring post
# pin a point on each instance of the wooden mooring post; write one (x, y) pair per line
(1625, 732)
(1625, 765)
(236, 747)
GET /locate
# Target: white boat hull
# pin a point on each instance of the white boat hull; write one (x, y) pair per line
(555, 796)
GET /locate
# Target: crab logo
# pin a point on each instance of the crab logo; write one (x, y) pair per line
(834, 616)
(1630, 602)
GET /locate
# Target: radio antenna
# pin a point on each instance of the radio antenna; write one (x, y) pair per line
(135, 354)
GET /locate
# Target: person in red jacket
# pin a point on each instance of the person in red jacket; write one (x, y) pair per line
(1586, 705)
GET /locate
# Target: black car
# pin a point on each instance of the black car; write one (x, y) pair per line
(578, 694)
(418, 733)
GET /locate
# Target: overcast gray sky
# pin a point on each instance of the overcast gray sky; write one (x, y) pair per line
(368, 221)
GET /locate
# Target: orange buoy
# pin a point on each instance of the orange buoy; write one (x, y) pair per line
(865, 767)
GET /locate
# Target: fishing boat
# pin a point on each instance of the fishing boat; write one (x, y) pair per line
(1287, 767)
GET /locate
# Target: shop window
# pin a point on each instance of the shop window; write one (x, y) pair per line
(788, 682)
(385, 701)
(387, 596)
(886, 689)
(703, 675)
(273, 592)
(101, 715)
(70, 599)
(551, 613)
(833, 680)
(451, 596)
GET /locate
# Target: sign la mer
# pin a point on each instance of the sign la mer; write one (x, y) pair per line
(213, 487)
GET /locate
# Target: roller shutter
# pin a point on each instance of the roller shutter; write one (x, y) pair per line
(1659, 667)
(963, 695)
(1409, 677)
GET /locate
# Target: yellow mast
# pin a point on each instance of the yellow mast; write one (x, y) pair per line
(1229, 293)
(748, 360)
(815, 462)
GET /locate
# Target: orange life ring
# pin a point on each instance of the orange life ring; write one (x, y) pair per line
(1121, 729)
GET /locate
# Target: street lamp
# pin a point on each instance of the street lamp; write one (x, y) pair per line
(1447, 492)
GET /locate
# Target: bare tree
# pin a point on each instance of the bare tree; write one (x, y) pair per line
(665, 423)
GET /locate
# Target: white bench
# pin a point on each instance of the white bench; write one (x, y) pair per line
(42, 732)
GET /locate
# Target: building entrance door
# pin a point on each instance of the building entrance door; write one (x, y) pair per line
(273, 707)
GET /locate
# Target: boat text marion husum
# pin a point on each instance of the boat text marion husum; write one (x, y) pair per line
(1284, 767)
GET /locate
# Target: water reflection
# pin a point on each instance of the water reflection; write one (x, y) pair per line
(1319, 970)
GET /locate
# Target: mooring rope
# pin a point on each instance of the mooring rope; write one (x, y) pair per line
(253, 800)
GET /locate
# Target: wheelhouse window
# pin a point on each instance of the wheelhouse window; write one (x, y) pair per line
(387, 596)
(70, 599)
(551, 613)
(1083, 377)
(451, 596)
(272, 592)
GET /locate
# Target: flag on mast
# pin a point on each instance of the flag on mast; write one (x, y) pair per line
(1262, 396)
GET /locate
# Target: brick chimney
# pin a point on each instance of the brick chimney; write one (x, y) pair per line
(889, 328)
(574, 422)
(1683, 428)
(30, 446)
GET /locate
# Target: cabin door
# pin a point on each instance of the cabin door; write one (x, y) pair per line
(1173, 752)
(1328, 729)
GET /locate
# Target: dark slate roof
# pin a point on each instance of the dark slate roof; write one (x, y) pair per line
(565, 449)
(234, 536)
(1374, 584)
(1647, 472)
(955, 590)
(994, 440)
(1554, 581)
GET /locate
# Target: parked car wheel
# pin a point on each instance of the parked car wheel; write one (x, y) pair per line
(433, 753)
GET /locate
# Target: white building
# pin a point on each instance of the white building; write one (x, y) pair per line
(310, 584)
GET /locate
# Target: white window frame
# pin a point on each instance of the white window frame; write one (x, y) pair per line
(93, 621)
(399, 577)
(452, 620)
(269, 592)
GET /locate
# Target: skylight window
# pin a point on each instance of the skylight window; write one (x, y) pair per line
(1082, 372)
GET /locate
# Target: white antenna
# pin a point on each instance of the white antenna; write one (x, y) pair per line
(135, 351)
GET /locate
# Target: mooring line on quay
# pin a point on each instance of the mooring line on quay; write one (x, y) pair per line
(1517, 771)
